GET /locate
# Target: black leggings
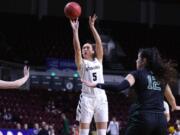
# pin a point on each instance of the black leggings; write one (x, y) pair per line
(147, 123)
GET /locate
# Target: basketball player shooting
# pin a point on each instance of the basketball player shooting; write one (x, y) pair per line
(93, 102)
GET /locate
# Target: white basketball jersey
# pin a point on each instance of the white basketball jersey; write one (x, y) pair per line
(92, 71)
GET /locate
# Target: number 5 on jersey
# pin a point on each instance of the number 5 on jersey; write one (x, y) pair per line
(94, 76)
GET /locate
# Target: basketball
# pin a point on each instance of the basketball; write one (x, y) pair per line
(72, 10)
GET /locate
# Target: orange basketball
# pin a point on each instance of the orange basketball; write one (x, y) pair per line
(72, 10)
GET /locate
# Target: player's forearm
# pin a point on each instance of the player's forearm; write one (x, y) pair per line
(96, 36)
(77, 49)
(170, 97)
(76, 42)
(13, 84)
(172, 102)
(18, 83)
(114, 86)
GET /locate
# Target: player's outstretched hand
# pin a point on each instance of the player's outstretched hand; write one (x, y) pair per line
(176, 108)
(92, 20)
(26, 71)
(88, 83)
(74, 24)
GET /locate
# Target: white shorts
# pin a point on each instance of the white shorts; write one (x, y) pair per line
(92, 106)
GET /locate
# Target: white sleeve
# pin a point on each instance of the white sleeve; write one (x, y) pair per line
(166, 107)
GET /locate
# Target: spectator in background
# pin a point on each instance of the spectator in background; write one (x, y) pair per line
(44, 129)
(36, 129)
(177, 127)
(27, 129)
(18, 126)
(113, 127)
(177, 132)
(50, 107)
(75, 130)
(66, 129)
(51, 130)
(7, 115)
(43, 124)
(26, 126)
(177, 122)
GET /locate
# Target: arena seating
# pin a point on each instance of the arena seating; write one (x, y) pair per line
(29, 106)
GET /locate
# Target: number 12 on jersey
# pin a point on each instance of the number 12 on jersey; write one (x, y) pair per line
(153, 84)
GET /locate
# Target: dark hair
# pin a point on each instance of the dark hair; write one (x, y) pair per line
(94, 48)
(163, 70)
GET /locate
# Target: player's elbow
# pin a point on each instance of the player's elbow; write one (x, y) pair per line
(77, 50)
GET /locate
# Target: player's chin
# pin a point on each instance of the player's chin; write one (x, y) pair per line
(85, 56)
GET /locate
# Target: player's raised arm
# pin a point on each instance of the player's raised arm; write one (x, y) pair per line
(99, 48)
(76, 43)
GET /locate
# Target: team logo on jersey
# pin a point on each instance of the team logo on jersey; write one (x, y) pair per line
(92, 68)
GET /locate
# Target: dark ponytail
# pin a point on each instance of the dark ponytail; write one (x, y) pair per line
(163, 70)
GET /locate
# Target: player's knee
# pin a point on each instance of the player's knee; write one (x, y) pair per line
(84, 125)
(101, 125)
